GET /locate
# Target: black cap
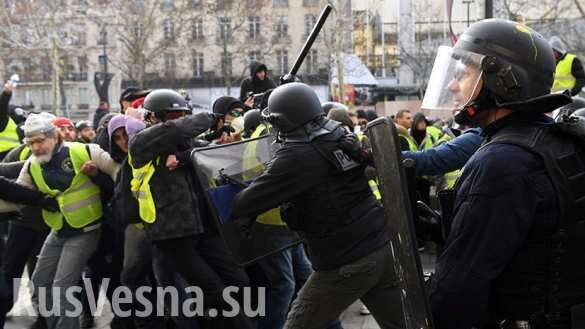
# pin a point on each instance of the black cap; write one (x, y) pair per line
(225, 104)
(133, 93)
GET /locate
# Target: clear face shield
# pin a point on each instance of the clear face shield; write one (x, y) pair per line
(455, 80)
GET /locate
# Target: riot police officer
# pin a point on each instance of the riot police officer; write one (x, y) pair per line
(317, 177)
(513, 257)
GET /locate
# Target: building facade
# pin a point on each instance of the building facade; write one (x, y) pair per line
(202, 46)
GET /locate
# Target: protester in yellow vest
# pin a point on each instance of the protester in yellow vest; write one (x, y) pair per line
(8, 134)
(63, 170)
(169, 199)
(419, 132)
(434, 131)
(403, 121)
(569, 73)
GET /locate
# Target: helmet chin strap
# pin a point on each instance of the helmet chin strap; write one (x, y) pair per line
(484, 101)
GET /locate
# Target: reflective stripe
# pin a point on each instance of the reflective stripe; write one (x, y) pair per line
(92, 227)
(564, 78)
(83, 186)
(81, 204)
(139, 194)
(375, 190)
(140, 188)
(9, 139)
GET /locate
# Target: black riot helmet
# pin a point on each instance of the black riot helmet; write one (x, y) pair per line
(328, 106)
(577, 107)
(161, 101)
(580, 112)
(252, 119)
(577, 104)
(291, 106)
(519, 63)
(511, 66)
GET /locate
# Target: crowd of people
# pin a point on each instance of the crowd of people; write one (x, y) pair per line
(119, 198)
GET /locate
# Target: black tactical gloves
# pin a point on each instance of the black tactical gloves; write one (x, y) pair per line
(49, 203)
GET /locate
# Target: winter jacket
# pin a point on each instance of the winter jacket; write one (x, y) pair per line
(504, 192)
(177, 200)
(252, 84)
(448, 156)
(327, 200)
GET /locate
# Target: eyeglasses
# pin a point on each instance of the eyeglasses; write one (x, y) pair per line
(235, 113)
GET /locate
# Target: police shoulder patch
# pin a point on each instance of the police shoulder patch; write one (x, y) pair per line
(344, 161)
(67, 165)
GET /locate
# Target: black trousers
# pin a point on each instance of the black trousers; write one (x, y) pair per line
(22, 247)
(205, 261)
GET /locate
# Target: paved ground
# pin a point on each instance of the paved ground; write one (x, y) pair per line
(351, 318)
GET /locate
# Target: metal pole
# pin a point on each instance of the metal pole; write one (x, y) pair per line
(105, 42)
(468, 3)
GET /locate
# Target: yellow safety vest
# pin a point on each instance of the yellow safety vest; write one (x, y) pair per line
(564, 79)
(80, 203)
(24, 153)
(9, 137)
(372, 182)
(412, 146)
(140, 187)
(435, 132)
(251, 169)
(427, 142)
(451, 177)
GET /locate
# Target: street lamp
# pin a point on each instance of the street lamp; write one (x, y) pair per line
(102, 79)
(468, 2)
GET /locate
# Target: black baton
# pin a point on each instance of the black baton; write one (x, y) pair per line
(289, 77)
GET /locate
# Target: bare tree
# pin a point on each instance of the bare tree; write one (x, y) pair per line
(545, 11)
(580, 8)
(238, 33)
(428, 36)
(563, 18)
(145, 30)
(44, 28)
(337, 40)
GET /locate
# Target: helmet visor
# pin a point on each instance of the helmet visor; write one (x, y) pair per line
(455, 79)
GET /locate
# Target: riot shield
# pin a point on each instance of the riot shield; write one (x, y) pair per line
(398, 211)
(224, 170)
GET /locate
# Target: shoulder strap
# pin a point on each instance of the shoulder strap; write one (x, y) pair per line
(564, 161)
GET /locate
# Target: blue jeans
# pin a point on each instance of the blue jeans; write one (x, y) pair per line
(286, 272)
(59, 266)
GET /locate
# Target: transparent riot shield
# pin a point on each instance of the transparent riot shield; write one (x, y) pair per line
(223, 171)
(398, 211)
